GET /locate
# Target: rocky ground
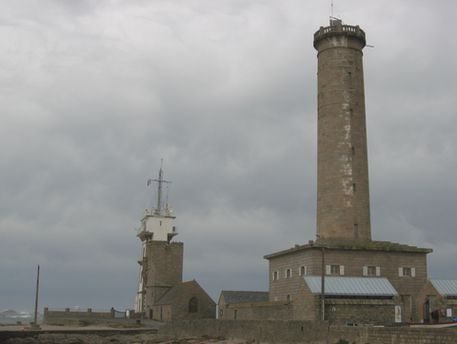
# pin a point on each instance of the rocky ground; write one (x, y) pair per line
(56, 338)
(95, 335)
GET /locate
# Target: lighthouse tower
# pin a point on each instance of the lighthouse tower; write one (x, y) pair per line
(343, 205)
(161, 261)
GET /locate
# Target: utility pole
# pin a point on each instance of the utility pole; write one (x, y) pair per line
(323, 285)
(35, 321)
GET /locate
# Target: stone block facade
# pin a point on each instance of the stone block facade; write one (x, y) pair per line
(186, 300)
(404, 266)
(162, 268)
(257, 311)
(343, 205)
(166, 296)
(437, 306)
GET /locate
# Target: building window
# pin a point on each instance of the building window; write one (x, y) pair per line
(303, 270)
(334, 269)
(288, 273)
(235, 314)
(371, 270)
(193, 305)
(221, 312)
(288, 298)
(275, 275)
(353, 187)
(406, 271)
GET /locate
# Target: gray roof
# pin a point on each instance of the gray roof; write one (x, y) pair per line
(244, 296)
(445, 287)
(183, 288)
(351, 286)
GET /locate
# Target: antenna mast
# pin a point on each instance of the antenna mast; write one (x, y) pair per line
(331, 9)
(160, 181)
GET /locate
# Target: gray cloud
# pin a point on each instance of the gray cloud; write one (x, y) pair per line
(93, 95)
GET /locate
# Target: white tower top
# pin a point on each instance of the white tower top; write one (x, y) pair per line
(157, 224)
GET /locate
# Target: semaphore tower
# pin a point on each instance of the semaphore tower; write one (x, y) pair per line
(343, 203)
(162, 295)
(161, 261)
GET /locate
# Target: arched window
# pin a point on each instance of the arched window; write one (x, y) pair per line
(193, 305)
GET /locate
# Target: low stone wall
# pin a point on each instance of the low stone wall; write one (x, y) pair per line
(258, 311)
(264, 331)
(79, 318)
(370, 312)
(392, 335)
(306, 332)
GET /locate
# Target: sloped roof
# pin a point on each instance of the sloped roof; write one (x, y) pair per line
(178, 290)
(244, 296)
(445, 287)
(351, 286)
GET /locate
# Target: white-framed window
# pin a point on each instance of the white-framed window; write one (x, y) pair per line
(303, 271)
(334, 269)
(406, 271)
(288, 273)
(371, 270)
(275, 275)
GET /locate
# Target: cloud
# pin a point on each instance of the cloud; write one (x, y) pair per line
(93, 95)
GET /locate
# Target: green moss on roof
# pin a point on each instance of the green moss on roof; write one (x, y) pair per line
(356, 245)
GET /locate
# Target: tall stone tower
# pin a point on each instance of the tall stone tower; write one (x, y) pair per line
(343, 205)
(161, 261)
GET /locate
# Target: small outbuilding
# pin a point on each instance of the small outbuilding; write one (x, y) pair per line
(440, 301)
(184, 301)
(233, 304)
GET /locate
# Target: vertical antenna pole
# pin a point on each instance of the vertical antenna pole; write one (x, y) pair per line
(160, 181)
(36, 296)
(331, 8)
(159, 191)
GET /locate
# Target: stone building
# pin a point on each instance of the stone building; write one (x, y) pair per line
(185, 300)
(440, 301)
(230, 301)
(344, 252)
(162, 295)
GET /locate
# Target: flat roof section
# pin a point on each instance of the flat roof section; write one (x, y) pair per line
(385, 246)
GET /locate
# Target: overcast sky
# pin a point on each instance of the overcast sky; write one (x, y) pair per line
(94, 93)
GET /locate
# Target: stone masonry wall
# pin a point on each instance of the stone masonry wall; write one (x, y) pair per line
(258, 311)
(353, 262)
(343, 207)
(206, 306)
(347, 311)
(164, 269)
(309, 332)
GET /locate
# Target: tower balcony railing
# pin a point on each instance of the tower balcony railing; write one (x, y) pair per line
(339, 29)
